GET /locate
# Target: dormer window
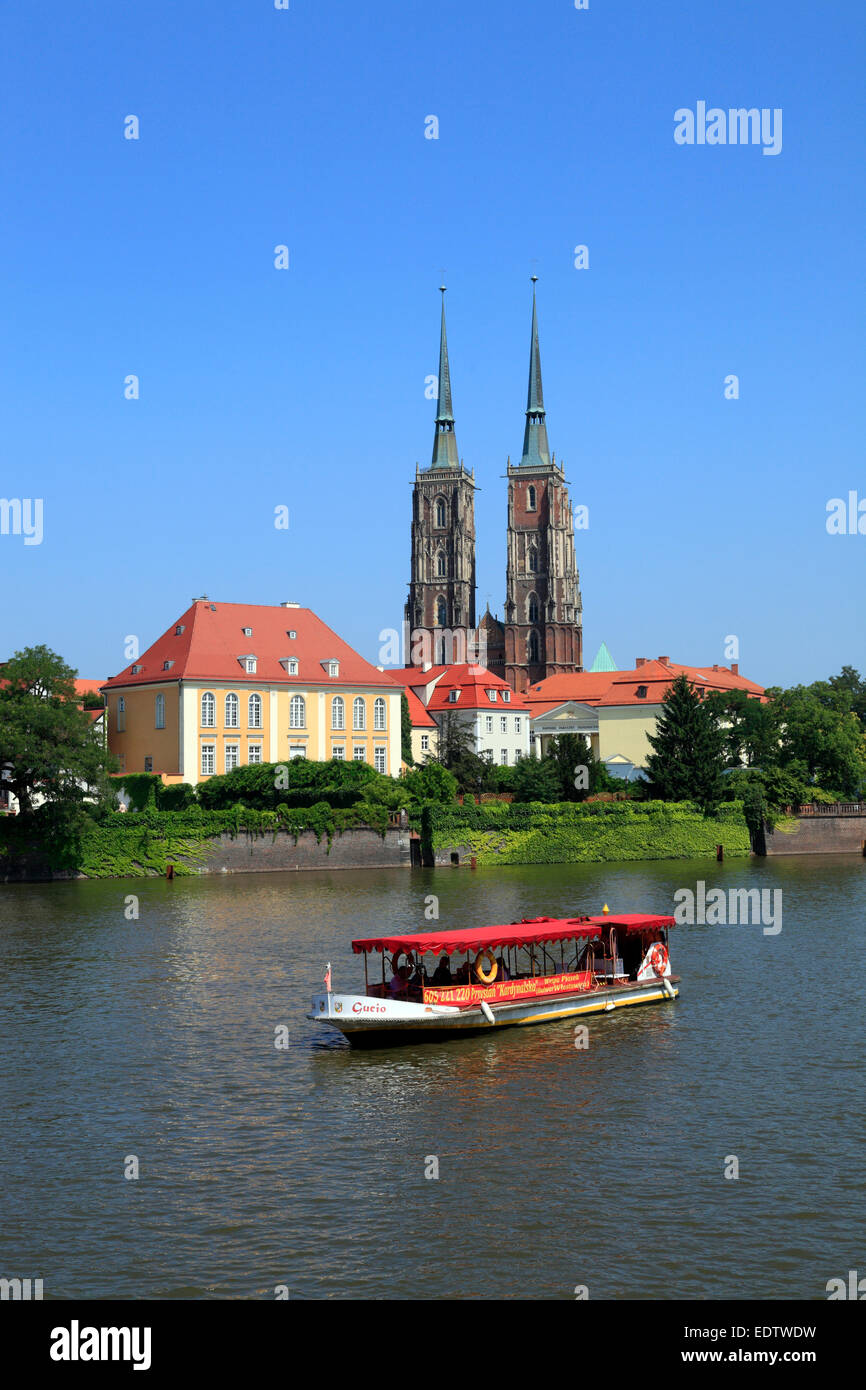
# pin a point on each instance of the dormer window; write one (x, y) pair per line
(292, 636)
(491, 695)
(331, 667)
(290, 665)
(248, 664)
(135, 670)
(506, 695)
(453, 696)
(179, 630)
(641, 692)
(167, 665)
(247, 631)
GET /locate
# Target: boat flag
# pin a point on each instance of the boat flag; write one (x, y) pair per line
(328, 978)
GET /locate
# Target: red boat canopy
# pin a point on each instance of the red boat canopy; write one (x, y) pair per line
(531, 931)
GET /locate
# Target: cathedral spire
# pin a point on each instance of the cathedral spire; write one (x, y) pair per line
(535, 447)
(445, 440)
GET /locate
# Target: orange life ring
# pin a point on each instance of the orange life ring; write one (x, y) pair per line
(395, 960)
(488, 977)
(659, 959)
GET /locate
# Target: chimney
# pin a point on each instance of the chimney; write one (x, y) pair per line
(290, 605)
(716, 667)
(639, 661)
(665, 660)
(735, 668)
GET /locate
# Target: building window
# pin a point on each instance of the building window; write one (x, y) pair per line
(291, 665)
(641, 692)
(453, 696)
(533, 647)
(167, 665)
(249, 664)
(254, 712)
(503, 756)
(506, 696)
(332, 668)
(297, 712)
(533, 559)
(121, 715)
(208, 711)
(359, 714)
(517, 723)
(297, 750)
(233, 712)
(338, 712)
(160, 712)
(179, 630)
(530, 499)
(135, 670)
(440, 512)
(441, 569)
(148, 764)
(379, 714)
(503, 725)
(208, 759)
(254, 753)
(233, 756)
(533, 608)
(379, 759)
(441, 613)
(339, 752)
(359, 753)
(491, 695)
(247, 631)
(425, 743)
(292, 635)
(488, 723)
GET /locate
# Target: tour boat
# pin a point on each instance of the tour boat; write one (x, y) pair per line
(533, 971)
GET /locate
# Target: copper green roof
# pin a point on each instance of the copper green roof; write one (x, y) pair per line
(603, 660)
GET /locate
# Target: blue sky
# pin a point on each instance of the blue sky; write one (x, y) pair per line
(305, 387)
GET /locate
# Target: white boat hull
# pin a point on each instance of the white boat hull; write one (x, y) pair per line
(370, 1022)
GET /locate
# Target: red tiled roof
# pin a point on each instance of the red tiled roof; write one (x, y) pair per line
(473, 682)
(417, 713)
(602, 689)
(212, 642)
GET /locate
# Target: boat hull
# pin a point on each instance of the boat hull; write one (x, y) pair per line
(384, 1023)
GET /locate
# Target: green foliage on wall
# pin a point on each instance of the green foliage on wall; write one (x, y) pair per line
(580, 833)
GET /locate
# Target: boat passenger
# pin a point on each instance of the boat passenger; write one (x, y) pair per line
(399, 984)
(503, 973)
(442, 973)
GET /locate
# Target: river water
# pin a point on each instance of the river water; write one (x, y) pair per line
(304, 1166)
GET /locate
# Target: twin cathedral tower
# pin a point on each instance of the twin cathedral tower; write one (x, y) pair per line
(542, 634)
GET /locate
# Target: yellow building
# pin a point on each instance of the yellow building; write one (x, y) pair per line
(232, 683)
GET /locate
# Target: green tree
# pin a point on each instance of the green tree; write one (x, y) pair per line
(406, 731)
(750, 727)
(432, 782)
(537, 779)
(456, 752)
(47, 747)
(688, 750)
(828, 741)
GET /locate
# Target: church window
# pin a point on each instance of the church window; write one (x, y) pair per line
(533, 647)
(441, 565)
(441, 613)
(533, 559)
(530, 499)
(533, 608)
(440, 512)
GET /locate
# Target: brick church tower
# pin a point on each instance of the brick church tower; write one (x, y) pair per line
(543, 632)
(440, 611)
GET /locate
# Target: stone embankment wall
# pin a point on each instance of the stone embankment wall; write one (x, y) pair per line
(354, 849)
(822, 834)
